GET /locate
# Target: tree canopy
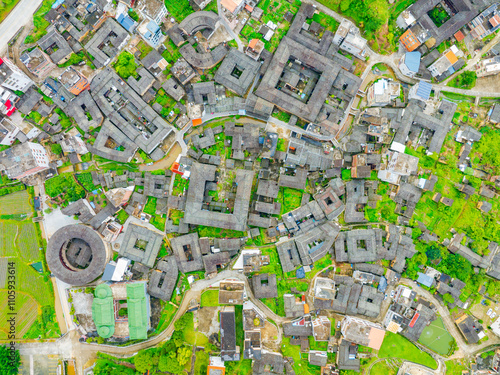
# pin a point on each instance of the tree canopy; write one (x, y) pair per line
(125, 65)
(9, 361)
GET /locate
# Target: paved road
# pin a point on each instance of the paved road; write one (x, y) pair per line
(230, 31)
(21, 15)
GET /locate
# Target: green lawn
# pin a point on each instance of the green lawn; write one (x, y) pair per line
(396, 346)
(290, 199)
(436, 337)
(210, 297)
(382, 368)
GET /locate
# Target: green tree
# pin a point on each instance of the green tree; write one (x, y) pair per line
(168, 363)
(183, 355)
(448, 298)
(125, 65)
(143, 361)
(56, 148)
(433, 252)
(10, 360)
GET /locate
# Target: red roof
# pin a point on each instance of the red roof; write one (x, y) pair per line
(1, 61)
(175, 168)
(8, 104)
(11, 111)
(197, 121)
(459, 36)
(495, 20)
(249, 8)
(414, 320)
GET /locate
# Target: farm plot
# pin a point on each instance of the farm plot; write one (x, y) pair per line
(15, 203)
(27, 312)
(8, 232)
(31, 282)
(27, 242)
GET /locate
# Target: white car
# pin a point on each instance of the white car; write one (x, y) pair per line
(392, 294)
(338, 325)
(489, 312)
(493, 315)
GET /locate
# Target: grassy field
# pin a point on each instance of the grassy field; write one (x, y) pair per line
(382, 368)
(290, 199)
(436, 337)
(15, 203)
(396, 346)
(455, 367)
(27, 313)
(210, 298)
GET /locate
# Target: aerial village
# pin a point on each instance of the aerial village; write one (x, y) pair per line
(248, 187)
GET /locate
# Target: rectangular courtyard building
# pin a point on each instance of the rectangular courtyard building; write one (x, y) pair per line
(300, 81)
(141, 244)
(237, 72)
(196, 212)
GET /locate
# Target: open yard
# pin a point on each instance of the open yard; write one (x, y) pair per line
(290, 199)
(436, 337)
(396, 346)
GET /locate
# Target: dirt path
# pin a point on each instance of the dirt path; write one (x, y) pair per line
(59, 312)
(166, 162)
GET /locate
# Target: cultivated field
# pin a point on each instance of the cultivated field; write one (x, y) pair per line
(15, 203)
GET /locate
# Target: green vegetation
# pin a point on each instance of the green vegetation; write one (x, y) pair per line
(284, 281)
(65, 188)
(282, 116)
(289, 198)
(465, 80)
(282, 145)
(143, 47)
(385, 208)
(369, 15)
(40, 24)
(16, 203)
(74, 59)
(133, 14)
(454, 367)
(301, 364)
(437, 338)
(86, 180)
(210, 297)
(382, 368)
(274, 12)
(396, 346)
(487, 151)
(125, 65)
(180, 185)
(204, 231)
(122, 216)
(9, 360)
(438, 15)
(179, 9)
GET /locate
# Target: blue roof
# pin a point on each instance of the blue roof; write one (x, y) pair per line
(425, 279)
(300, 273)
(57, 3)
(412, 60)
(382, 285)
(126, 21)
(153, 27)
(424, 90)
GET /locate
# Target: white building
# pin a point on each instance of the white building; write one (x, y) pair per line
(12, 77)
(24, 160)
(488, 67)
(383, 92)
(154, 10)
(8, 132)
(355, 44)
(409, 64)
